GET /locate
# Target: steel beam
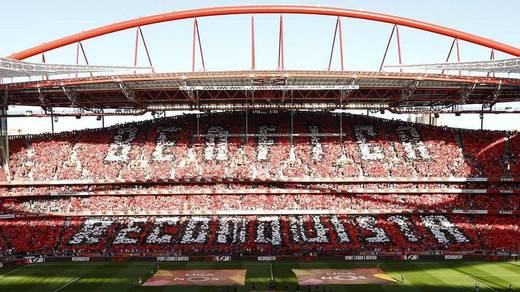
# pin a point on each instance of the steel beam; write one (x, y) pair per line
(333, 45)
(253, 64)
(4, 134)
(84, 56)
(407, 91)
(268, 87)
(387, 47)
(502, 66)
(4, 95)
(340, 43)
(196, 36)
(136, 46)
(265, 9)
(200, 46)
(491, 58)
(449, 53)
(128, 92)
(146, 49)
(193, 45)
(45, 77)
(71, 95)
(398, 38)
(16, 68)
(281, 61)
(43, 100)
(77, 56)
(458, 53)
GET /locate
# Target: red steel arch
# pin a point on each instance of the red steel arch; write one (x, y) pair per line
(261, 9)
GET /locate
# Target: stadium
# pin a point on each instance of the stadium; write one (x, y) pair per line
(253, 179)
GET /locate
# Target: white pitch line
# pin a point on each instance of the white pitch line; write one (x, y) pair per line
(480, 282)
(12, 271)
(67, 284)
(487, 275)
(271, 269)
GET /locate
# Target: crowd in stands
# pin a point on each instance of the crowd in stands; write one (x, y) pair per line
(222, 204)
(230, 203)
(262, 188)
(216, 146)
(260, 235)
(513, 157)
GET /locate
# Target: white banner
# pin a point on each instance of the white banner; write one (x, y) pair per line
(458, 211)
(222, 258)
(173, 259)
(35, 260)
(361, 258)
(453, 257)
(80, 259)
(410, 257)
(267, 258)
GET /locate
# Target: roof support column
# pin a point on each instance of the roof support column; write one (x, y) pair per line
(387, 47)
(128, 93)
(82, 49)
(136, 50)
(491, 58)
(398, 47)
(482, 118)
(333, 44)
(196, 36)
(281, 60)
(52, 120)
(337, 31)
(4, 134)
(77, 57)
(45, 77)
(449, 53)
(253, 65)
(458, 53)
(146, 49)
(340, 43)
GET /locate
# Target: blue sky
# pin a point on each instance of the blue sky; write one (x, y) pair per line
(226, 40)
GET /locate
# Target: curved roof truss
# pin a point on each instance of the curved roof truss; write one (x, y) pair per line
(264, 9)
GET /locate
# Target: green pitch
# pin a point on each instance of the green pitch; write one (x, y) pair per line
(418, 276)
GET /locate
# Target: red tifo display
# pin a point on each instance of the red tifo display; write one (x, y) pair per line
(238, 200)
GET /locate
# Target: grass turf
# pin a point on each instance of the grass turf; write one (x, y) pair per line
(110, 276)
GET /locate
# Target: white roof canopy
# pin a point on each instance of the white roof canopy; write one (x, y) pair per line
(15, 68)
(498, 66)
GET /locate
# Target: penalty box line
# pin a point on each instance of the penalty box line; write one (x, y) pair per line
(67, 284)
(12, 271)
(492, 275)
(480, 281)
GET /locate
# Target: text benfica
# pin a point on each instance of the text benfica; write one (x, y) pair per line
(216, 146)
